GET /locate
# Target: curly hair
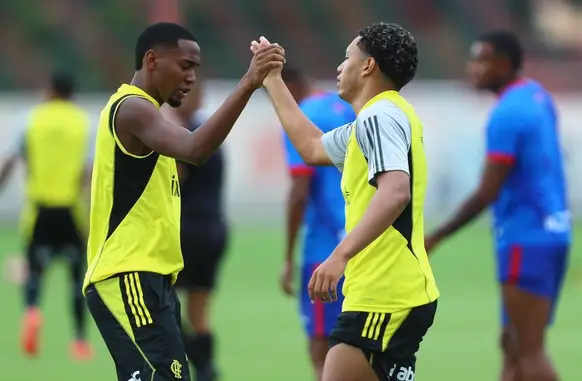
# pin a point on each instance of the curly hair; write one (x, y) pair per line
(394, 50)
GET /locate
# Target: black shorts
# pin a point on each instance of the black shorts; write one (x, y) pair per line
(203, 248)
(138, 315)
(54, 230)
(389, 341)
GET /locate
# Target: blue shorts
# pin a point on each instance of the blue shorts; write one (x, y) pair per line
(539, 270)
(318, 318)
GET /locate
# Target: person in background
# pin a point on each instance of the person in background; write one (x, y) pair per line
(204, 237)
(315, 202)
(54, 146)
(524, 183)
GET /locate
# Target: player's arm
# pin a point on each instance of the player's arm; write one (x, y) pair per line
(11, 161)
(503, 134)
(304, 134)
(172, 116)
(384, 137)
(140, 118)
(297, 199)
(7, 169)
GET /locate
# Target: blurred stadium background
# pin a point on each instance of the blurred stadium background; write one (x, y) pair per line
(260, 332)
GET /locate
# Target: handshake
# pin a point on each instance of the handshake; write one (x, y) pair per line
(267, 63)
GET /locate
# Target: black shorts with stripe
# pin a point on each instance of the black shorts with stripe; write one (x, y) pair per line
(389, 340)
(138, 315)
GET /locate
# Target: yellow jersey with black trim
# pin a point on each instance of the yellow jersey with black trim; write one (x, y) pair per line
(135, 205)
(55, 148)
(393, 272)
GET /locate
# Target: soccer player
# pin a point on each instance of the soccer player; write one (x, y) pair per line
(523, 181)
(204, 236)
(389, 289)
(134, 252)
(54, 147)
(315, 198)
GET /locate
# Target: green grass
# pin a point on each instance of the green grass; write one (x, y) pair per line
(260, 332)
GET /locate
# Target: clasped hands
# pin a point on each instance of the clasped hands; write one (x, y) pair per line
(268, 60)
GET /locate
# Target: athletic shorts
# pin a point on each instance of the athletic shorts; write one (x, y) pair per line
(539, 270)
(138, 315)
(203, 249)
(318, 318)
(389, 340)
(51, 231)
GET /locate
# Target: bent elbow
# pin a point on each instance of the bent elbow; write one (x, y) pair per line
(310, 160)
(404, 196)
(198, 157)
(401, 194)
(200, 160)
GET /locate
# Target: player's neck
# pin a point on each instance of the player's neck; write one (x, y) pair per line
(139, 81)
(508, 83)
(366, 94)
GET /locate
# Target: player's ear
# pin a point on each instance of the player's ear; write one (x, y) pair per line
(151, 59)
(369, 66)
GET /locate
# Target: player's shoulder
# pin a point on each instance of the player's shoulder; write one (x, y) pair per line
(382, 111)
(529, 92)
(522, 102)
(380, 107)
(136, 112)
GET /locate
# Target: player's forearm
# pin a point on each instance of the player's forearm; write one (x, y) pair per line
(207, 138)
(383, 210)
(304, 135)
(295, 211)
(6, 171)
(468, 211)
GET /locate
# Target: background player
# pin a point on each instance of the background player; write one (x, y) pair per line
(54, 147)
(524, 182)
(314, 198)
(134, 249)
(204, 235)
(390, 292)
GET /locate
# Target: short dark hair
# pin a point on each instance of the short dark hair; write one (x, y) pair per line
(292, 73)
(394, 50)
(164, 34)
(63, 85)
(505, 43)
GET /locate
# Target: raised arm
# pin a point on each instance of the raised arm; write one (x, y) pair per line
(304, 135)
(141, 119)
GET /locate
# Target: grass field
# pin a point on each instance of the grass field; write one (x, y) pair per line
(260, 333)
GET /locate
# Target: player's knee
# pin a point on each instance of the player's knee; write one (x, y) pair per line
(507, 343)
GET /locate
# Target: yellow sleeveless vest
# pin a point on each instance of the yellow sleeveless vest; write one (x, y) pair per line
(135, 205)
(393, 272)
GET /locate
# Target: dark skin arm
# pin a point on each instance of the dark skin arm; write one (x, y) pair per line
(389, 201)
(138, 123)
(7, 170)
(492, 180)
(296, 203)
(141, 128)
